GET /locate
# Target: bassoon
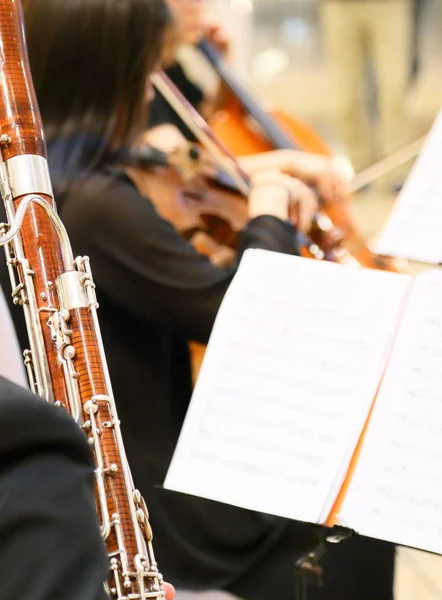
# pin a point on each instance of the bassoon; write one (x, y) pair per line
(66, 363)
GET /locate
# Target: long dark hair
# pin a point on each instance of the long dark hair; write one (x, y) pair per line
(90, 60)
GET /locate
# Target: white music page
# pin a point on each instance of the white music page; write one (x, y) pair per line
(413, 229)
(396, 492)
(289, 376)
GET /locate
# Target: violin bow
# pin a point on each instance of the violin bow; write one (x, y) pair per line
(387, 164)
(200, 129)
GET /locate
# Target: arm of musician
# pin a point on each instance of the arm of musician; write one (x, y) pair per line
(315, 170)
(50, 542)
(142, 263)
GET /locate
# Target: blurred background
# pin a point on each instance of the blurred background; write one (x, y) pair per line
(284, 59)
(279, 50)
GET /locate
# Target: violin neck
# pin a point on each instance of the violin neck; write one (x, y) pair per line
(272, 131)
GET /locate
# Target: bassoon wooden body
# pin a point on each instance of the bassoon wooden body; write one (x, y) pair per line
(66, 362)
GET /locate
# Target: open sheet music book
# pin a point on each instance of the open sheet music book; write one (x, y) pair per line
(413, 229)
(320, 399)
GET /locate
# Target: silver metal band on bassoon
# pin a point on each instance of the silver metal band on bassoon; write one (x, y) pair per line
(71, 291)
(28, 174)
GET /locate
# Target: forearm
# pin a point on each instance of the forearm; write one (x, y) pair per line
(306, 166)
(292, 162)
(321, 173)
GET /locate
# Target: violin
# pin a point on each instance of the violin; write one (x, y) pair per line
(208, 207)
(277, 131)
(205, 210)
(325, 241)
(330, 220)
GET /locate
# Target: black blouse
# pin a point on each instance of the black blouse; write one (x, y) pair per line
(156, 293)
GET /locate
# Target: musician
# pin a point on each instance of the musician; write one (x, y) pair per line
(189, 26)
(358, 559)
(50, 544)
(155, 292)
(167, 131)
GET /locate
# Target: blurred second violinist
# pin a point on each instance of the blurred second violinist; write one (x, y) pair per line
(190, 25)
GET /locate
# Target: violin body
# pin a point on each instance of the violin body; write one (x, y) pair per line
(199, 209)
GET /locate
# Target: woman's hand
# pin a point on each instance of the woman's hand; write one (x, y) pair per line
(314, 170)
(170, 591)
(274, 193)
(318, 171)
(218, 36)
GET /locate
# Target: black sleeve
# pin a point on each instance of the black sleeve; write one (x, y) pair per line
(50, 544)
(143, 263)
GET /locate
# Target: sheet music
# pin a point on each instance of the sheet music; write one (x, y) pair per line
(413, 228)
(287, 382)
(396, 493)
